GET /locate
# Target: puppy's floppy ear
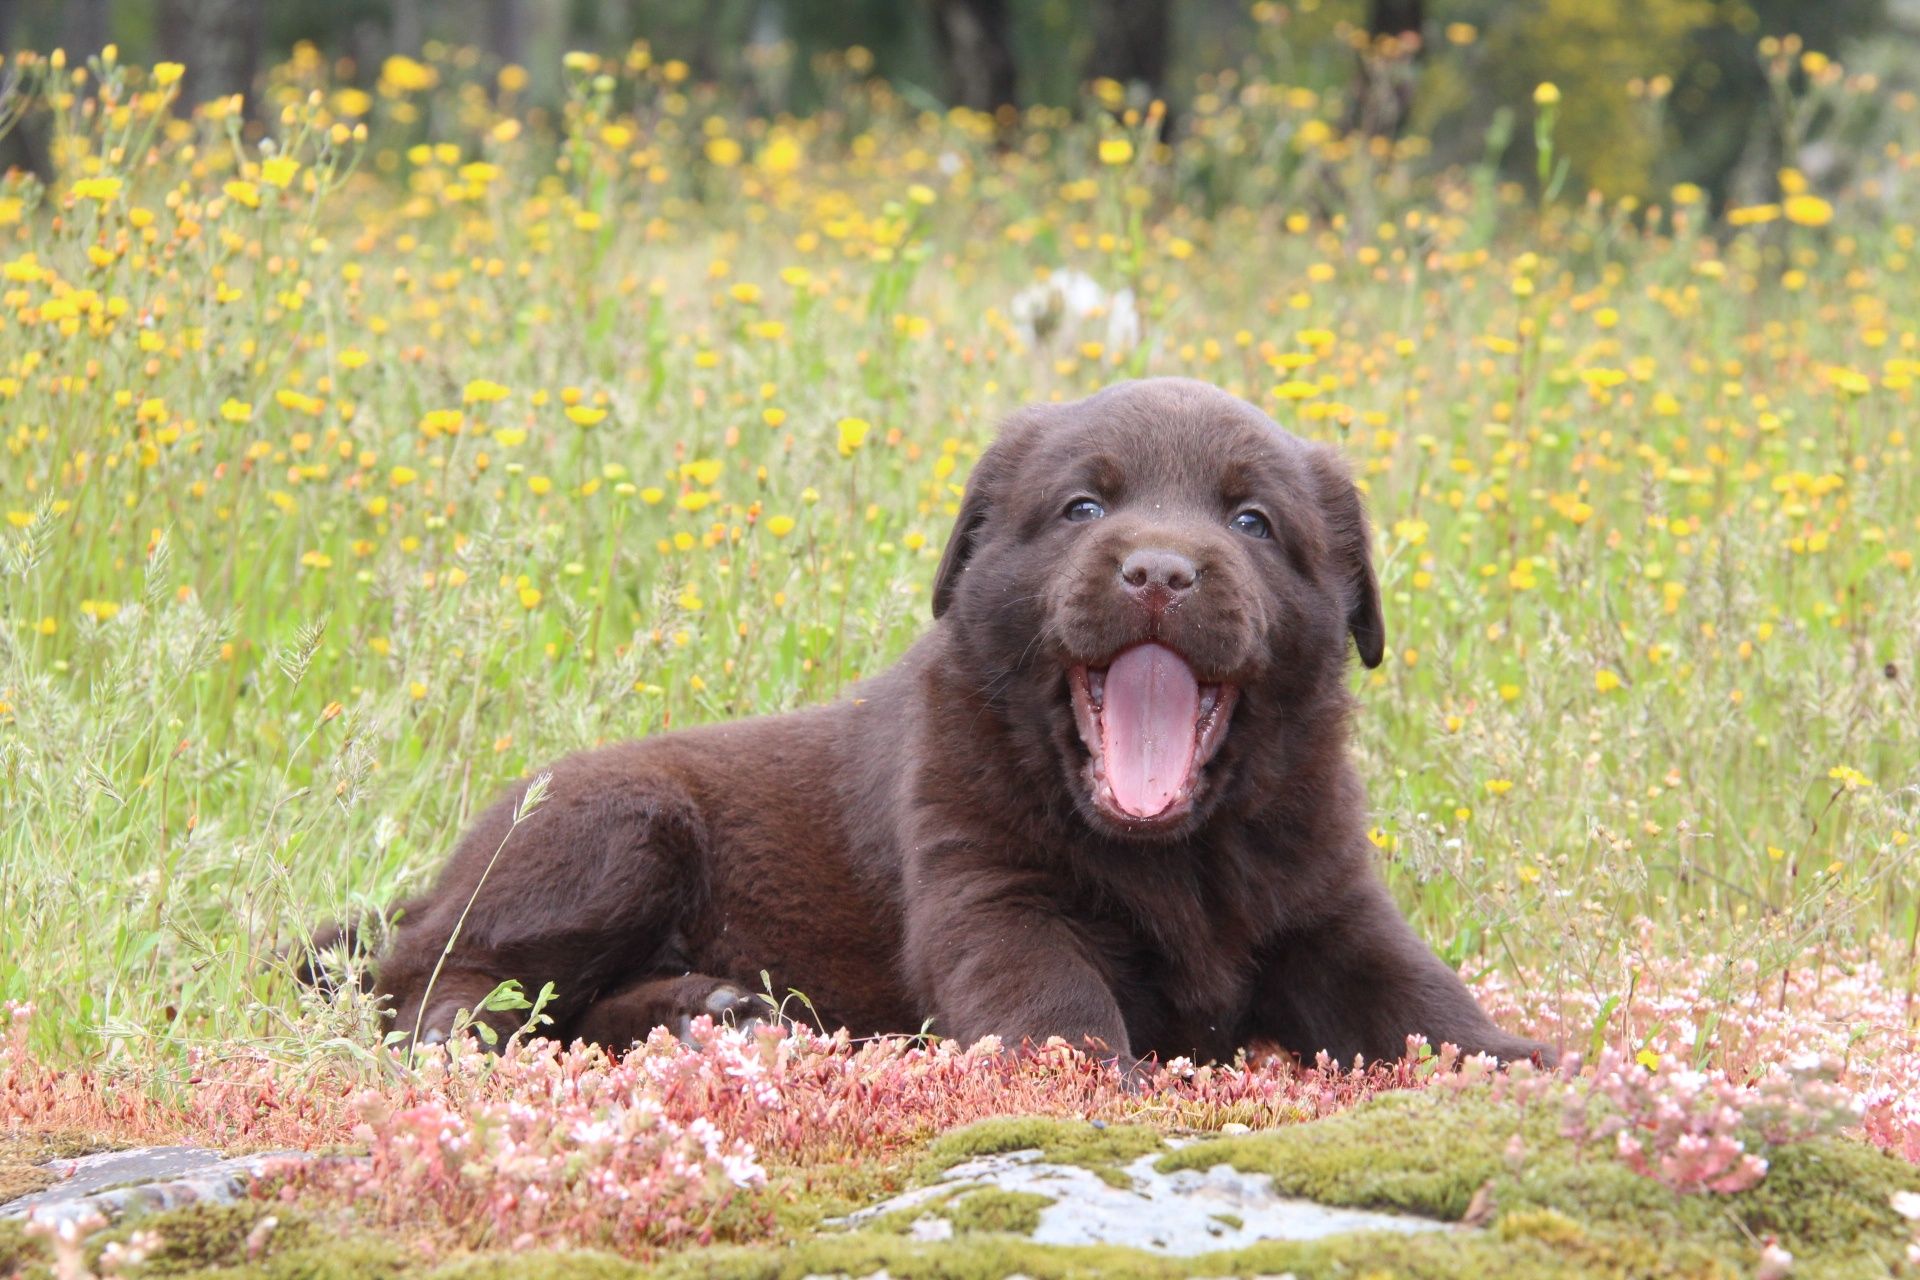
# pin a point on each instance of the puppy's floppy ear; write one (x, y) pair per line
(986, 490)
(961, 542)
(1350, 540)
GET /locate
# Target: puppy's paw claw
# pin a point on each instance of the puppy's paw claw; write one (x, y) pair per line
(728, 1006)
(728, 1002)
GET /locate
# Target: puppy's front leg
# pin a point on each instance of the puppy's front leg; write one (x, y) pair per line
(990, 955)
(1360, 981)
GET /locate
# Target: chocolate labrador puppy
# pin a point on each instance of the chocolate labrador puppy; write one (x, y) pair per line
(1106, 797)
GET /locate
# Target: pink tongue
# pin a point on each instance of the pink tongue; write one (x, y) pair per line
(1149, 716)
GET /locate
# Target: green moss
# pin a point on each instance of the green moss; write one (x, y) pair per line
(209, 1242)
(1827, 1201)
(1473, 1255)
(1399, 1152)
(1461, 1255)
(17, 1250)
(359, 1258)
(195, 1237)
(991, 1209)
(968, 1208)
(973, 1257)
(568, 1264)
(802, 1198)
(1103, 1148)
(1548, 1226)
(1829, 1194)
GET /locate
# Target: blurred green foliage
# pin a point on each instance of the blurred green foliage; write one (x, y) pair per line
(1653, 92)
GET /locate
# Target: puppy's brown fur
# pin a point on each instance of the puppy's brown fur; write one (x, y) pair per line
(931, 847)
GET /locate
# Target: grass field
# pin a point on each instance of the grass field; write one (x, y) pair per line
(348, 478)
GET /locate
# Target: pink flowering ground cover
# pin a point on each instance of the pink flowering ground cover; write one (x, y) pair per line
(760, 1132)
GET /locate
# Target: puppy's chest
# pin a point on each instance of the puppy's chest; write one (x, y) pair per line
(1186, 958)
(1201, 972)
(1186, 1003)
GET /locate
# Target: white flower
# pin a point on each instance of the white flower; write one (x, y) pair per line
(742, 1169)
(1123, 322)
(1066, 302)
(593, 1132)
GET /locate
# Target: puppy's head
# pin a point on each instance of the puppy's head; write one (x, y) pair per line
(1155, 587)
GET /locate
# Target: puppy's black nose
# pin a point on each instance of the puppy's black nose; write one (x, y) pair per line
(1157, 577)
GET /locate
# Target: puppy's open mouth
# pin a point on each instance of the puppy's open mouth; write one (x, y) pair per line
(1151, 727)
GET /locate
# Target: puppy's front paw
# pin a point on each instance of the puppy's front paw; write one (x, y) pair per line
(727, 1005)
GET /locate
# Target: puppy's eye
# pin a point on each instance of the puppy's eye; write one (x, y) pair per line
(1253, 524)
(1084, 509)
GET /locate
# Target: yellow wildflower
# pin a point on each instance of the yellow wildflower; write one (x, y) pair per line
(99, 189)
(1807, 211)
(853, 434)
(279, 171)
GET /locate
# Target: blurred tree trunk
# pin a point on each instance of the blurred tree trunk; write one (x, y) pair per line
(507, 31)
(1132, 41)
(83, 32)
(1389, 68)
(20, 145)
(613, 22)
(409, 27)
(976, 44)
(219, 41)
(720, 37)
(1395, 17)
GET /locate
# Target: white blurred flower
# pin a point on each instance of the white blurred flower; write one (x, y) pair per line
(1068, 303)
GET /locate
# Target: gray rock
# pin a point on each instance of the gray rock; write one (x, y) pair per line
(115, 1183)
(1179, 1214)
